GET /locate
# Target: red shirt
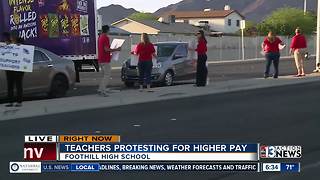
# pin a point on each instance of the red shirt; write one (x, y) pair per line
(298, 42)
(103, 56)
(202, 47)
(145, 51)
(272, 46)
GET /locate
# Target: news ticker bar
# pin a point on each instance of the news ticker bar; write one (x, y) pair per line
(42, 167)
(157, 157)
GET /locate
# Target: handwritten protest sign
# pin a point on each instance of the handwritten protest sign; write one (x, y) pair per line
(192, 54)
(134, 58)
(16, 57)
(116, 43)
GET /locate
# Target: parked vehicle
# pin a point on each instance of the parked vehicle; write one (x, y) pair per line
(51, 74)
(172, 64)
(66, 28)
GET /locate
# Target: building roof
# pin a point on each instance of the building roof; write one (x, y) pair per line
(176, 28)
(202, 14)
(117, 31)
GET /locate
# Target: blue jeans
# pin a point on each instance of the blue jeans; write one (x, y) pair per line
(145, 69)
(272, 57)
(202, 70)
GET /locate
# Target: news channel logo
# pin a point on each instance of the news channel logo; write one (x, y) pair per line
(285, 152)
(25, 167)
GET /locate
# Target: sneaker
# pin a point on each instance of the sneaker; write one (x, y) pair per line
(150, 90)
(141, 88)
(113, 91)
(266, 76)
(101, 91)
(18, 105)
(9, 105)
(103, 94)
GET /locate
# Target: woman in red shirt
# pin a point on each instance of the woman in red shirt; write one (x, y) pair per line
(270, 46)
(202, 70)
(145, 50)
(299, 49)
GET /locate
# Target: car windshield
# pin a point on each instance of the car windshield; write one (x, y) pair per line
(165, 50)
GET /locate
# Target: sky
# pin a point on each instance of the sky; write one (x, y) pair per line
(140, 5)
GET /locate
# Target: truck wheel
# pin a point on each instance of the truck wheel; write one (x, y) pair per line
(168, 79)
(59, 87)
(129, 84)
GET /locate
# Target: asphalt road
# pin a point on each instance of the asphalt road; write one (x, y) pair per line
(217, 72)
(285, 115)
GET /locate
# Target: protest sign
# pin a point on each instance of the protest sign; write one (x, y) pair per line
(16, 57)
(116, 43)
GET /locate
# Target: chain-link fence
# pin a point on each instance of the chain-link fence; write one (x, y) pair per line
(223, 48)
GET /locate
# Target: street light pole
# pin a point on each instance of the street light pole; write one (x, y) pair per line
(318, 38)
(242, 27)
(305, 7)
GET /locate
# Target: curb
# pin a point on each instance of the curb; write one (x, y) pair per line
(129, 97)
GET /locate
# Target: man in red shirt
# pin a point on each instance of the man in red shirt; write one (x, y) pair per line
(299, 49)
(104, 59)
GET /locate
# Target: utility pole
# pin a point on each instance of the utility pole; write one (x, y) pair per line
(242, 27)
(318, 39)
(305, 7)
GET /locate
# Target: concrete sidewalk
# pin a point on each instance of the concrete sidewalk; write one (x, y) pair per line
(127, 97)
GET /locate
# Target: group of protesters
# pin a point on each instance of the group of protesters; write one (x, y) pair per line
(271, 47)
(146, 52)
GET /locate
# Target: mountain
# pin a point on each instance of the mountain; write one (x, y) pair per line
(114, 13)
(254, 10)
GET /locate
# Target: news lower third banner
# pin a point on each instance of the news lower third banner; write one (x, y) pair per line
(93, 153)
(157, 152)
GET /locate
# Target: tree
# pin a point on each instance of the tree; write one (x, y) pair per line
(285, 20)
(142, 16)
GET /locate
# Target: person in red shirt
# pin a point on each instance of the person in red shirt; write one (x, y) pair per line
(145, 50)
(270, 46)
(299, 49)
(202, 70)
(104, 59)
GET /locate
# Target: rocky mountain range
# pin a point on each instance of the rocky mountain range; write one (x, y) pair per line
(114, 13)
(254, 10)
